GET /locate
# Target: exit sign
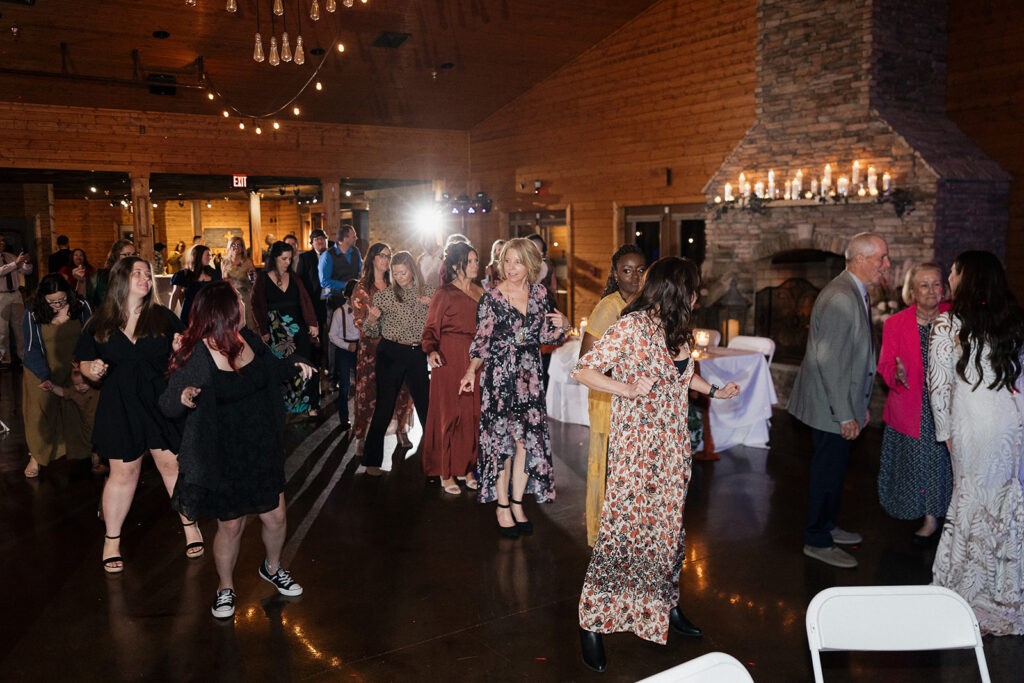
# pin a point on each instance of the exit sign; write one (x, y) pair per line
(238, 180)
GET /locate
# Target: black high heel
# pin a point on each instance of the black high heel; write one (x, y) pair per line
(593, 650)
(524, 527)
(108, 562)
(508, 531)
(680, 624)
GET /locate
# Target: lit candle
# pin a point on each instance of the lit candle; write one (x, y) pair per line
(886, 182)
(759, 190)
(743, 181)
(842, 185)
(872, 180)
(798, 183)
(855, 177)
(746, 190)
(702, 337)
(732, 329)
(771, 184)
(728, 192)
(583, 327)
(789, 189)
(814, 187)
(826, 179)
(718, 199)
(861, 192)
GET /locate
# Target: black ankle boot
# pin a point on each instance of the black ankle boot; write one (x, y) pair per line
(680, 624)
(593, 650)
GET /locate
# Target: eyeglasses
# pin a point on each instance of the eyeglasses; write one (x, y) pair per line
(59, 303)
(127, 254)
(387, 256)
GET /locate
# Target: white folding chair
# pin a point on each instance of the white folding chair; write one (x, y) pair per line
(762, 344)
(714, 336)
(714, 667)
(891, 618)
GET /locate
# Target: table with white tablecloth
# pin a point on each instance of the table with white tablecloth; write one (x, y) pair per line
(567, 398)
(745, 418)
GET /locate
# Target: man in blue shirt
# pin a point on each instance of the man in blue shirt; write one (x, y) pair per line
(339, 264)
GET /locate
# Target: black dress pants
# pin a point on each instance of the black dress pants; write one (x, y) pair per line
(828, 471)
(396, 363)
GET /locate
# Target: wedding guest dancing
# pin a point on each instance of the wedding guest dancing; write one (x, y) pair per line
(397, 316)
(228, 384)
(624, 278)
(914, 475)
(125, 345)
(632, 583)
(452, 433)
(974, 374)
(513, 319)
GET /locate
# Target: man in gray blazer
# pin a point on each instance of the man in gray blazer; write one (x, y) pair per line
(832, 390)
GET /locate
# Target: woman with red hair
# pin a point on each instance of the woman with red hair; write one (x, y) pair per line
(226, 383)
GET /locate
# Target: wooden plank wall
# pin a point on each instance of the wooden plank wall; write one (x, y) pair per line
(672, 89)
(984, 97)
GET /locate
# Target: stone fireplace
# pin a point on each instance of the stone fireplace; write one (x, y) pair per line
(864, 81)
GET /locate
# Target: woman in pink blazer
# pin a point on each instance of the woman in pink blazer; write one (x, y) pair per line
(914, 478)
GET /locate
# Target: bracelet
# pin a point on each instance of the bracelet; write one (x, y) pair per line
(714, 388)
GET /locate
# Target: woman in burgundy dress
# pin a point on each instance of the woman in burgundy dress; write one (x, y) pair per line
(451, 435)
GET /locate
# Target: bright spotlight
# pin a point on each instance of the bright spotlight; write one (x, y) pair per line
(427, 219)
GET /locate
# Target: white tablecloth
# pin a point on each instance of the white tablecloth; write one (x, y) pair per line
(567, 398)
(744, 419)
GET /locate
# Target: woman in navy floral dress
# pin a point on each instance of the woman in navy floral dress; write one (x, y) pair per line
(513, 320)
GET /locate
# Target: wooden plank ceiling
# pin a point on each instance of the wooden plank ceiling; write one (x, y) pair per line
(496, 49)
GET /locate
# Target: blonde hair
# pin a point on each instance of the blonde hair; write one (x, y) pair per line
(404, 258)
(908, 281)
(528, 253)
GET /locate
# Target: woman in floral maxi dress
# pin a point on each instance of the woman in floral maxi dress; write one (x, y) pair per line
(632, 583)
(375, 278)
(513, 320)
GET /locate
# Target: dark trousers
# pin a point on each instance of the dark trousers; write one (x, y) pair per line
(828, 470)
(344, 364)
(396, 363)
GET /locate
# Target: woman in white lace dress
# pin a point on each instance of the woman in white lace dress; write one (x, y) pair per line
(974, 375)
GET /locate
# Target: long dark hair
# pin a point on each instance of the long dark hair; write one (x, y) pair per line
(989, 314)
(277, 249)
(194, 264)
(114, 255)
(456, 258)
(85, 259)
(215, 315)
(612, 285)
(112, 314)
(369, 271)
(669, 285)
(53, 284)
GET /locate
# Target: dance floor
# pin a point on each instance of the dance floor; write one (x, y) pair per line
(407, 583)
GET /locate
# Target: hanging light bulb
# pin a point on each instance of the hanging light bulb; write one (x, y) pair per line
(296, 111)
(330, 6)
(314, 11)
(259, 131)
(225, 113)
(209, 95)
(241, 125)
(277, 125)
(300, 55)
(278, 7)
(348, 3)
(232, 6)
(257, 51)
(275, 58)
(286, 48)
(319, 85)
(341, 47)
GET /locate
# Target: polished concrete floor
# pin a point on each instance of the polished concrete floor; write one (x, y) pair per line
(406, 583)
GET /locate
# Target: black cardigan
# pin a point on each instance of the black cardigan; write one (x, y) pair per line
(198, 460)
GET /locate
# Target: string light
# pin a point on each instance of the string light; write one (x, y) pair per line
(259, 131)
(319, 85)
(330, 6)
(341, 47)
(277, 125)
(296, 111)
(225, 113)
(209, 95)
(232, 6)
(241, 125)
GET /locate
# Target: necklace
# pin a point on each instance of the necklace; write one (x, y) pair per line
(922, 320)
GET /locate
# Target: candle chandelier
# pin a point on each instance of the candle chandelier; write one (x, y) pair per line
(869, 184)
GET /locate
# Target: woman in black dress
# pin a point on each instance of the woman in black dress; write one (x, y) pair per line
(125, 345)
(232, 453)
(287, 321)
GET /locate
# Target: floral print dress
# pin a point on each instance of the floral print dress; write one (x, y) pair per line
(512, 398)
(633, 579)
(366, 373)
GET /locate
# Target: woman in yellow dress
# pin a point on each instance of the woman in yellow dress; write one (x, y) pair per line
(624, 279)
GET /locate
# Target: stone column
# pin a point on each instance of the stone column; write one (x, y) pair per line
(142, 215)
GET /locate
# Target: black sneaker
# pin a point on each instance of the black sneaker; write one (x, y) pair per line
(224, 604)
(282, 580)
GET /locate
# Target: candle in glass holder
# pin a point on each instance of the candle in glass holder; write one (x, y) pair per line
(759, 190)
(855, 176)
(746, 190)
(814, 186)
(826, 179)
(798, 184)
(702, 337)
(886, 182)
(872, 180)
(583, 327)
(728, 192)
(842, 185)
(771, 184)
(789, 189)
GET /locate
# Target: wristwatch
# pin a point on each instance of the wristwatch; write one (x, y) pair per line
(714, 388)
